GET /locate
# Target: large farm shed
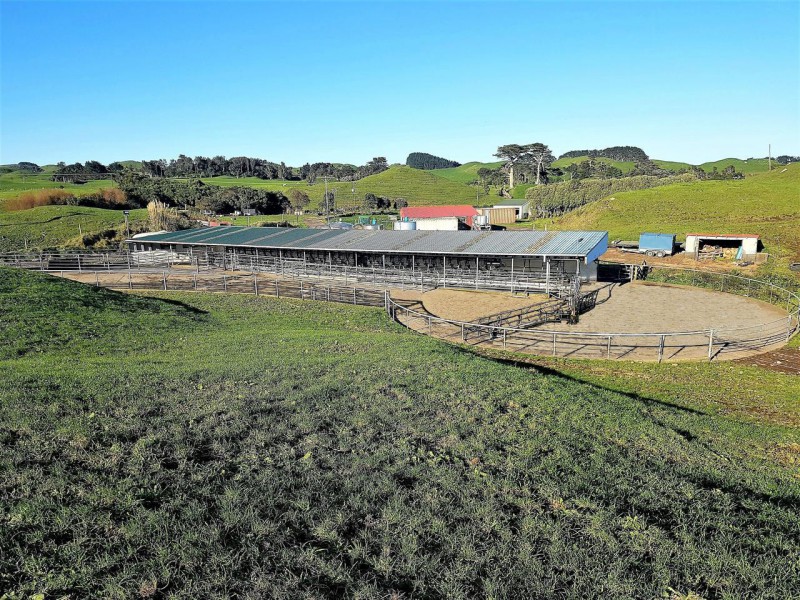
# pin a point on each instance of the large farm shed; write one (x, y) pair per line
(519, 260)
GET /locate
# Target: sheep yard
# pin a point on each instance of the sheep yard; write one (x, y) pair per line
(184, 445)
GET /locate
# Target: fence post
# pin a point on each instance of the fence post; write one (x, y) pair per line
(710, 343)
(789, 328)
(430, 327)
(462, 332)
(79, 263)
(164, 273)
(661, 349)
(554, 344)
(277, 289)
(354, 295)
(130, 283)
(195, 282)
(608, 348)
(505, 331)
(224, 283)
(301, 290)
(255, 282)
(96, 280)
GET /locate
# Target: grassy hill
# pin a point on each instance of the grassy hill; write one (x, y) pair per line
(60, 226)
(356, 459)
(418, 187)
(766, 204)
(14, 183)
(465, 173)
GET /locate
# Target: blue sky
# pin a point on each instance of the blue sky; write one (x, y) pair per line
(343, 82)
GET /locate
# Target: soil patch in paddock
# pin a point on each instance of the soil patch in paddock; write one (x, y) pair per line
(785, 360)
(642, 307)
(463, 305)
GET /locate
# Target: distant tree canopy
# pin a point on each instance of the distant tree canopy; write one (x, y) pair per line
(28, 166)
(783, 159)
(621, 153)
(245, 166)
(141, 190)
(423, 160)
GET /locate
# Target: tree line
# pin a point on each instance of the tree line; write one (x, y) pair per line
(620, 153)
(245, 166)
(423, 160)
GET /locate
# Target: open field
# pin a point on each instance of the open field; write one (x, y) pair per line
(418, 187)
(14, 183)
(59, 226)
(465, 173)
(216, 445)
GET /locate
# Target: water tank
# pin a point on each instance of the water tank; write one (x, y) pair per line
(405, 226)
(481, 220)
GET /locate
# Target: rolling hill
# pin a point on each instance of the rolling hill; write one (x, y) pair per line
(418, 187)
(767, 204)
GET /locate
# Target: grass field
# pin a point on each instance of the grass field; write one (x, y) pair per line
(59, 226)
(232, 446)
(767, 204)
(418, 187)
(465, 173)
(14, 183)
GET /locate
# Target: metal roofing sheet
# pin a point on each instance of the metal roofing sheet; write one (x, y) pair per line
(428, 212)
(550, 243)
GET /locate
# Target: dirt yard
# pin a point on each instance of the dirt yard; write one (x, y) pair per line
(462, 305)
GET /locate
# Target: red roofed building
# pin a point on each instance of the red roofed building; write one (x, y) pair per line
(461, 211)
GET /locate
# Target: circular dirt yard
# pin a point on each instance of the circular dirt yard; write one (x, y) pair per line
(640, 307)
(742, 326)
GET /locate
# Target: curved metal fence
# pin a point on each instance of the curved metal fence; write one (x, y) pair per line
(660, 345)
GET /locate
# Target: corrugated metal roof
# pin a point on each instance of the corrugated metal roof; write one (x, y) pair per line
(512, 202)
(491, 243)
(432, 212)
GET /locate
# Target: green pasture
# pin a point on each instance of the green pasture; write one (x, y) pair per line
(15, 183)
(464, 174)
(418, 187)
(208, 445)
(766, 204)
(60, 226)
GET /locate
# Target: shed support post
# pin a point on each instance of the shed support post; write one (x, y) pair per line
(547, 276)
